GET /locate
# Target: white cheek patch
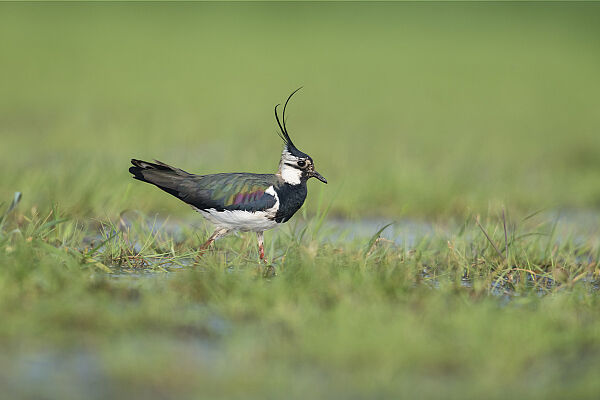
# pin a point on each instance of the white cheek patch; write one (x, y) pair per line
(290, 175)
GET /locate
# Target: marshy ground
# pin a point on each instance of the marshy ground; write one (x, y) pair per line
(472, 127)
(131, 308)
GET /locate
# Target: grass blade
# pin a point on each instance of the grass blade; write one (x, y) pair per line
(488, 237)
(15, 201)
(376, 236)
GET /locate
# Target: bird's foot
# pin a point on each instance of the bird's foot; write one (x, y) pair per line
(204, 248)
(269, 272)
(220, 232)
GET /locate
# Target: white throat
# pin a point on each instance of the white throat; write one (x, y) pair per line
(289, 174)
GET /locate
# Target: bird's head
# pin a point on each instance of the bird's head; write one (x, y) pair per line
(295, 166)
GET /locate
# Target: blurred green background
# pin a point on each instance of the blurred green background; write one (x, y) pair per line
(414, 109)
(424, 111)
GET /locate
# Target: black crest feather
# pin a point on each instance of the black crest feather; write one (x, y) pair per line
(284, 133)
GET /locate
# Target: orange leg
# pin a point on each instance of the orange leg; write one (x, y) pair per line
(261, 246)
(218, 233)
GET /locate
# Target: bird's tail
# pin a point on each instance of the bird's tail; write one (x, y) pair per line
(159, 174)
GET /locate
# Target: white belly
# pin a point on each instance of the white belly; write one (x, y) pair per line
(240, 220)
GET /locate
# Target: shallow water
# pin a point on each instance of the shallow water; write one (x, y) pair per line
(568, 225)
(584, 223)
(79, 373)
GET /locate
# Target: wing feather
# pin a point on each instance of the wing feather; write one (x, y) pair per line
(236, 191)
(230, 192)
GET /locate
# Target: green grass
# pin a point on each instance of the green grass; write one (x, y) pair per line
(450, 316)
(457, 121)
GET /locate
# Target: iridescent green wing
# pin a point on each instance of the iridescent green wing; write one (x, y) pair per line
(236, 191)
(219, 191)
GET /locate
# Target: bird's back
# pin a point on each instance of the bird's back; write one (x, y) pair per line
(221, 192)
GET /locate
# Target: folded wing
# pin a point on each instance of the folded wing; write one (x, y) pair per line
(236, 191)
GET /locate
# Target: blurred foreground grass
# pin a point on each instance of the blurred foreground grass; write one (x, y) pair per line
(124, 310)
(426, 109)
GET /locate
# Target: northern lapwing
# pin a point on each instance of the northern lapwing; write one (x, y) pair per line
(240, 201)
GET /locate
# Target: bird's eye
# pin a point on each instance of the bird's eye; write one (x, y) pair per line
(301, 163)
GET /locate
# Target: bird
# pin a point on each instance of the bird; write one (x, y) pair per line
(245, 202)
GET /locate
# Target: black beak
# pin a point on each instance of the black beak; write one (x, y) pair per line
(318, 176)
